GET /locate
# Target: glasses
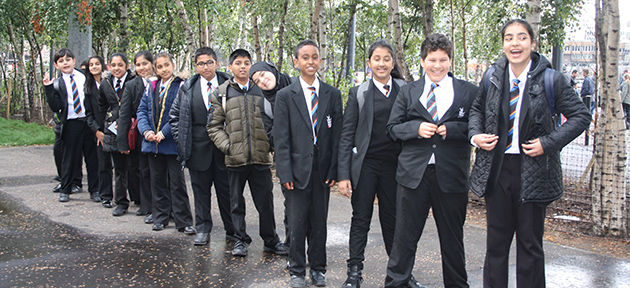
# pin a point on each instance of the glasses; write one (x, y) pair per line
(204, 64)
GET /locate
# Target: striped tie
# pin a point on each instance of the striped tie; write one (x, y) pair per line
(117, 89)
(161, 95)
(76, 100)
(314, 104)
(514, 95)
(386, 87)
(209, 93)
(431, 105)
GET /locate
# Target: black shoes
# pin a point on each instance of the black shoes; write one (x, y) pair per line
(57, 188)
(95, 196)
(158, 226)
(318, 278)
(201, 239)
(148, 219)
(230, 237)
(142, 213)
(297, 281)
(188, 230)
(240, 249)
(63, 197)
(76, 189)
(413, 283)
(354, 278)
(277, 249)
(119, 211)
(107, 203)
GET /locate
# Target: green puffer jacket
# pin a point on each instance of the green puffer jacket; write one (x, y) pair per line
(238, 130)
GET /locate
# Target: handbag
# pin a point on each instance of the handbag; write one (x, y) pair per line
(132, 135)
(109, 143)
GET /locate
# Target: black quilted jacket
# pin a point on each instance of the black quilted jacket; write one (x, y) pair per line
(542, 175)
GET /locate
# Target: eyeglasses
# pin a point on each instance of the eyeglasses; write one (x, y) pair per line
(210, 63)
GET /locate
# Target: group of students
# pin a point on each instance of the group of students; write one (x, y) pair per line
(408, 144)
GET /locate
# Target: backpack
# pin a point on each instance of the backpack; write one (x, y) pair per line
(549, 87)
(364, 87)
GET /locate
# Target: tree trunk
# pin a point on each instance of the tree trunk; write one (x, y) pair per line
(609, 188)
(427, 17)
(323, 44)
(19, 53)
(452, 20)
(204, 40)
(389, 31)
(285, 7)
(255, 31)
(123, 29)
(315, 19)
(210, 26)
(190, 36)
(533, 17)
(398, 43)
(464, 47)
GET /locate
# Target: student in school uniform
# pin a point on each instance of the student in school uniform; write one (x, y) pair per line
(167, 178)
(205, 162)
(94, 75)
(132, 95)
(517, 167)
(126, 170)
(430, 117)
(368, 158)
(307, 128)
(66, 97)
(236, 128)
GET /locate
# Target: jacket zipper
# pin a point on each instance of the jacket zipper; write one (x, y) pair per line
(249, 141)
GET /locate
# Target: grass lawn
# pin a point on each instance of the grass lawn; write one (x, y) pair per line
(19, 133)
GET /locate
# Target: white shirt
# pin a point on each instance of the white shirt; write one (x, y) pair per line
(79, 80)
(122, 81)
(380, 85)
(204, 87)
(307, 97)
(444, 95)
(521, 87)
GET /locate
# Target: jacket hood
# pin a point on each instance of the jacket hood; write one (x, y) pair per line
(539, 64)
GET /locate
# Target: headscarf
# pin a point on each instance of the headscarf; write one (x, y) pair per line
(282, 79)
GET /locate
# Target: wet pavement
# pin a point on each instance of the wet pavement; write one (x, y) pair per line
(44, 243)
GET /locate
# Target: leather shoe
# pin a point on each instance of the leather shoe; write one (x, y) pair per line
(107, 203)
(76, 189)
(95, 196)
(63, 197)
(148, 219)
(277, 249)
(57, 178)
(297, 281)
(142, 213)
(119, 211)
(202, 239)
(354, 278)
(57, 188)
(229, 237)
(240, 249)
(413, 283)
(318, 278)
(188, 230)
(158, 226)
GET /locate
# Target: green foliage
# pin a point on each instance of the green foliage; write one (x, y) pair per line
(19, 133)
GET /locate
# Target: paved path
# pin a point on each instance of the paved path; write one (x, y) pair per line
(44, 243)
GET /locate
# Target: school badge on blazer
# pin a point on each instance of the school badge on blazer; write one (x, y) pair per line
(329, 121)
(462, 113)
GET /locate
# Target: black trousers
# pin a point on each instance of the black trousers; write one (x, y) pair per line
(506, 215)
(133, 176)
(378, 178)
(201, 182)
(169, 191)
(78, 138)
(261, 187)
(127, 177)
(626, 111)
(105, 174)
(449, 211)
(146, 199)
(58, 155)
(308, 213)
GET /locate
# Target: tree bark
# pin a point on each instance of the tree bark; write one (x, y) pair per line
(609, 187)
(204, 40)
(323, 44)
(255, 31)
(427, 17)
(533, 17)
(315, 20)
(285, 7)
(190, 36)
(123, 32)
(19, 53)
(398, 43)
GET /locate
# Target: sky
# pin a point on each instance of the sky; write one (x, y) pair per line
(588, 19)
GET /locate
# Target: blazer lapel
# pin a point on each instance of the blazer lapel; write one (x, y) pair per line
(415, 100)
(324, 97)
(367, 115)
(197, 98)
(300, 103)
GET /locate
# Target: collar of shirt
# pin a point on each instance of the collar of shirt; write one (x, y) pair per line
(164, 83)
(122, 80)
(307, 93)
(380, 85)
(245, 87)
(521, 86)
(522, 78)
(204, 83)
(444, 94)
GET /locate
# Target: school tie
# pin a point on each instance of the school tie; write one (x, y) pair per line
(514, 95)
(76, 100)
(209, 93)
(314, 104)
(161, 95)
(386, 87)
(117, 89)
(431, 105)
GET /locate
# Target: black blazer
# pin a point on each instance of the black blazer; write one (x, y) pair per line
(356, 133)
(91, 108)
(293, 136)
(108, 102)
(57, 98)
(452, 154)
(129, 103)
